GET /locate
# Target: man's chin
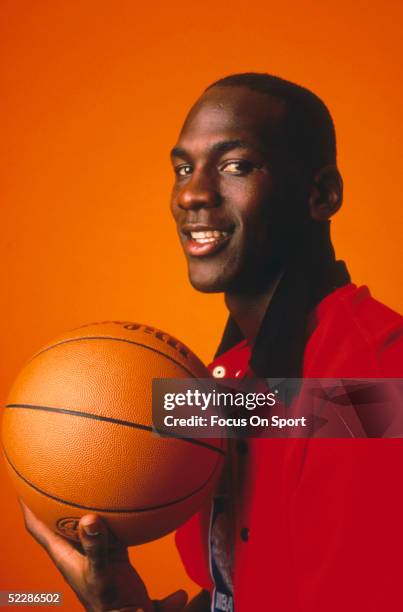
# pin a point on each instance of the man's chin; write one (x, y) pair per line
(207, 284)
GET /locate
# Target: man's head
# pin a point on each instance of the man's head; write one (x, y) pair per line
(255, 166)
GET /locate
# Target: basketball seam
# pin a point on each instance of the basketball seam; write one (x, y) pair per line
(111, 510)
(48, 348)
(99, 417)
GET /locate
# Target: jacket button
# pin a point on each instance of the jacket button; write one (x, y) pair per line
(244, 534)
(219, 372)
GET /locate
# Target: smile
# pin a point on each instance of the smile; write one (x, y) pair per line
(201, 243)
(209, 236)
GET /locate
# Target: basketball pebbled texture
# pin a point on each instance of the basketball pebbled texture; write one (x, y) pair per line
(77, 434)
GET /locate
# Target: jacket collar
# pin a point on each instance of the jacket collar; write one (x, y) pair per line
(311, 274)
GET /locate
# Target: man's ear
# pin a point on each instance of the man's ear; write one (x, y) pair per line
(326, 194)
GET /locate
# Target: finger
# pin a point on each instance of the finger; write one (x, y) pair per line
(42, 533)
(34, 526)
(173, 603)
(94, 541)
(60, 550)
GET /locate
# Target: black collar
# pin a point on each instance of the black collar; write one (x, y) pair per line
(311, 274)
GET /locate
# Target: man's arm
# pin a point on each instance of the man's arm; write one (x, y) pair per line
(102, 577)
(201, 603)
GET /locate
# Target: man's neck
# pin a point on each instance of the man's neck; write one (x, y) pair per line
(248, 310)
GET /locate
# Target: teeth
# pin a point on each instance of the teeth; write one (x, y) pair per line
(207, 236)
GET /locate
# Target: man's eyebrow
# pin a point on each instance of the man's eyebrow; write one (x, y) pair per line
(179, 152)
(228, 145)
(222, 146)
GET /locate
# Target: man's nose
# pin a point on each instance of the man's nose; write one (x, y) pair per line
(198, 192)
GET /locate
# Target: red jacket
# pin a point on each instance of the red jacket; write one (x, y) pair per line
(319, 521)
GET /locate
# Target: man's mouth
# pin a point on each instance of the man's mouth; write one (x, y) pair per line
(204, 242)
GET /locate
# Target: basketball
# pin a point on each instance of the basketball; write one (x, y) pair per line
(77, 434)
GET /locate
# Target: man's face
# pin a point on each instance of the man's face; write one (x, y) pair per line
(229, 200)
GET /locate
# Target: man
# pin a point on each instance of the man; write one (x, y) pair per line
(298, 525)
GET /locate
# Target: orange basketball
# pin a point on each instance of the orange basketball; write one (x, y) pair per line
(77, 434)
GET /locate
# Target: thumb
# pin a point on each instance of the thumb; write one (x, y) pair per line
(173, 603)
(94, 541)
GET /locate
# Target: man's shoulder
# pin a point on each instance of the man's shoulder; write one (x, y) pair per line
(359, 331)
(355, 307)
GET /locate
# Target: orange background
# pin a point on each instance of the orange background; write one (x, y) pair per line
(93, 96)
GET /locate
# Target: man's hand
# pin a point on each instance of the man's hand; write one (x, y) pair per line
(102, 578)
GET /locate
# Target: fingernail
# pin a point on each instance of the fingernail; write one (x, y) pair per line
(91, 530)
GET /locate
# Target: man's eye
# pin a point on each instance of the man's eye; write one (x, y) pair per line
(183, 170)
(237, 167)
